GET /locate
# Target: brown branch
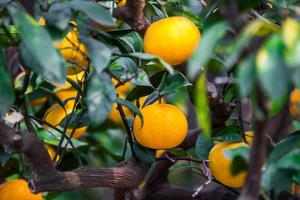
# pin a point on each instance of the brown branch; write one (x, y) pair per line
(257, 152)
(133, 14)
(129, 174)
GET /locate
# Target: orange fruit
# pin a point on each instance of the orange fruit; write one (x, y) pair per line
(220, 165)
(249, 137)
(77, 78)
(51, 153)
(122, 89)
(72, 50)
(159, 153)
(165, 126)
(121, 3)
(55, 114)
(295, 103)
(17, 190)
(174, 39)
(68, 94)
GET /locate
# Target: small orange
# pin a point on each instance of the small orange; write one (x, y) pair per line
(122, 89)
(74, 77)
(249, 137)
(295, 103)
(165, 126)
(220, 165)
(17, 190)
(52, 153)
(121, 3)
(174, 39)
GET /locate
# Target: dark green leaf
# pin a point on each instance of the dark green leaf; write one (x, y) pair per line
(98, 52)
(78, 120)
(206, 47)
(37, 50)
(131, 107)
(94, 11)
(7, 96)
(172, 82)
(246, 75)
(141, 79)
(203, 147)
(229, 133)
(145, 155)
(149, 57)
(100, 97)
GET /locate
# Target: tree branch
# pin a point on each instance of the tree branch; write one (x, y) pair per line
(133, 14)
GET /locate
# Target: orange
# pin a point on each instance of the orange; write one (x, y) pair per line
(55, 114)
(77, 78)
(249, 137)
(159, 153)
(165, 126)
(121, 3)
(17, 190)
(219, 165)
(173, 39)
(51, 153)
(122, 89)
(69, 94)
(72, 50)
(115, 117)
(295, 103)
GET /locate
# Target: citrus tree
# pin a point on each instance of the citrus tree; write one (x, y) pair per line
(157, 99)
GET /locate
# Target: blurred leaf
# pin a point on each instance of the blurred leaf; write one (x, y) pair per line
(141, 79)
(100, 97)
(290, 161)
(276, 105)
(246, 75)
(7, 96)
(145, 155)
(78, 120)
(53, 138)
(203, 147)
(230, 133)
(271, 70)
(58, 15)
(94, 11)
(211, 37)
(149, 57)
(37, 49)
(171, 82)
(257, 28)
(178, 152)
(244, 5)
(98, 52)
(202, 104)
(5, 39)
(241, 151)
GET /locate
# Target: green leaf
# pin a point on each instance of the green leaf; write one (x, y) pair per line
(37, 50)
(203, 147)
(290, 161)
(276, 105)
(172, 82)
(77, 120)
(100, 97)
(230, 133)
(202, 105)
(5, 39)
(94, 11)
(145, 155)
(150, 57)
(131, 107)
(7, 96)
(271, 70)
(98, 52)
(141, 79)
(205, 50)
(246, 76)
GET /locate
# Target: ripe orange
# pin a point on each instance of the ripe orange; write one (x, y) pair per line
(295, 103)
(122, 89)
(249, 137)
(68, 94)
(165, 126)
(72, 50)
(51, 153)
(74, 77)
(174, 39)
(219, 165)
(159, 153)
(55, 114)
(17, 190)
(121, 3)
